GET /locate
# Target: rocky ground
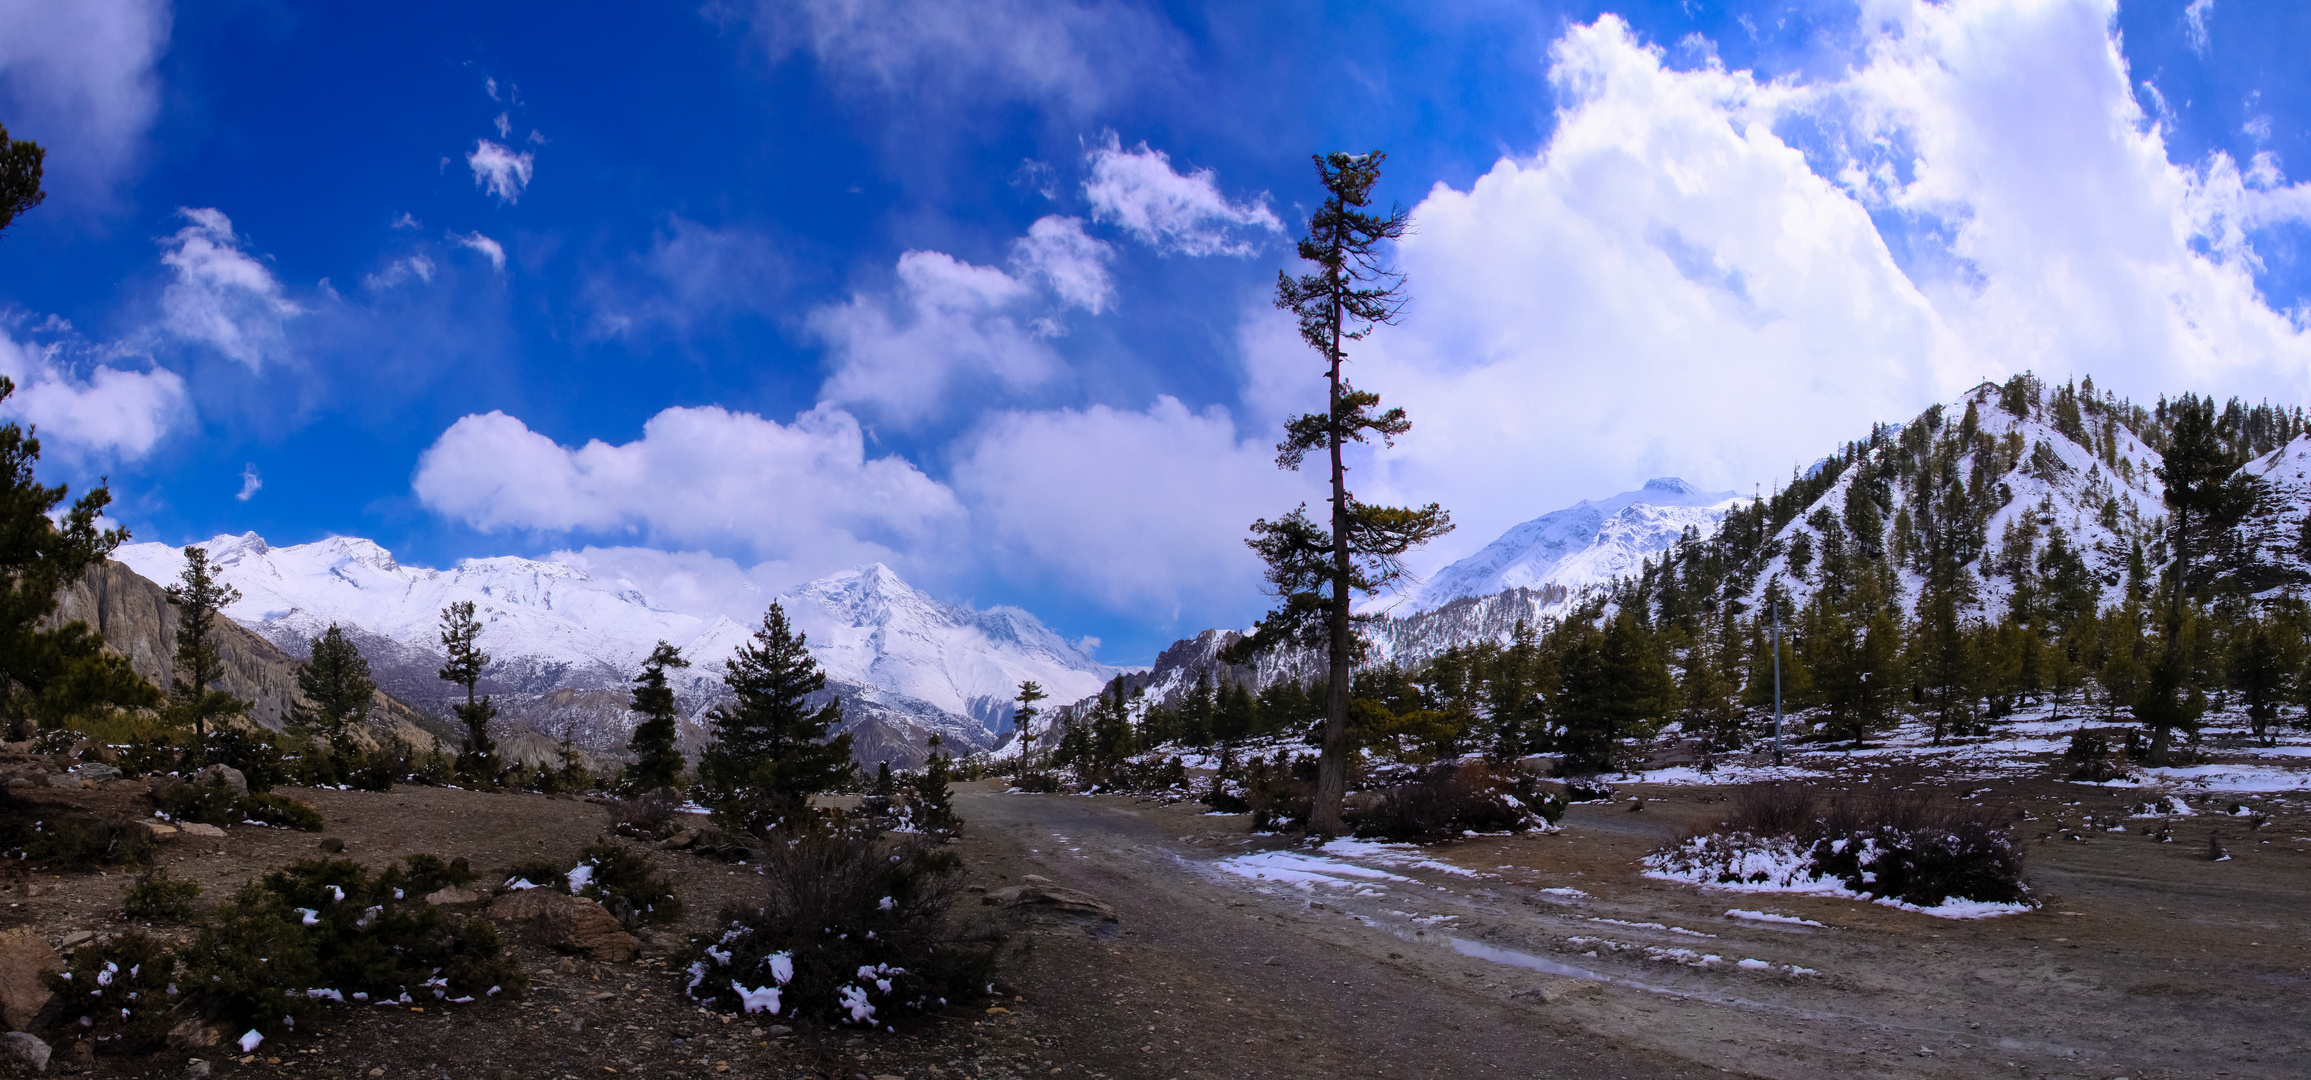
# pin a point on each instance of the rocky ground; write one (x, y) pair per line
(1234, 955)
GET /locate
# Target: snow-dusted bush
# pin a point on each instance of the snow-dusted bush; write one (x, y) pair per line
(1439, 801)
(119, 993)
(1892, 845)
(853, 928)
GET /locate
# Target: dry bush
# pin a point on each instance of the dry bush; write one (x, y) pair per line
(1440, 801)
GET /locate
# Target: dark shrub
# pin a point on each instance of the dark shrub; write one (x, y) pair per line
(423, 874)
(279, 811)
(1039, 783)
(853, 927)
(119, 992)
(209, 804)
(1446, 800)
(1894, 843)
(156, 895)
(1280, 794)
(257, 754)
(2089, 758)
(626, 883)
(324, 929)
(539, 872)
(53, 838)
(1587, 789)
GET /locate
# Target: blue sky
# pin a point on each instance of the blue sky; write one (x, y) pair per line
(979, 288)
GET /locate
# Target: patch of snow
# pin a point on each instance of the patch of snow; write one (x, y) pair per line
(1768, 917)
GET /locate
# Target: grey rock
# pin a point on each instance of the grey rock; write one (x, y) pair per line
(96, 772)
(205, 832)
(1040, 893)
(196, 1069)
(24, 1052)
(223, 774)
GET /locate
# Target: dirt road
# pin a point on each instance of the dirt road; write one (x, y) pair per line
(1548, 955)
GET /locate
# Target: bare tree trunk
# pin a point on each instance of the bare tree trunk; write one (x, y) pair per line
(1332, 770)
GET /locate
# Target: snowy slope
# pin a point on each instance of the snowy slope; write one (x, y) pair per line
(2069, 493)
(563, 643)
(1589, 543)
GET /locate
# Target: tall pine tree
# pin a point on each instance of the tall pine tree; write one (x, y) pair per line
(200, 665)
(657, 761)
(771, 750)
(1316, 570)
(335, 684)
(459, 629)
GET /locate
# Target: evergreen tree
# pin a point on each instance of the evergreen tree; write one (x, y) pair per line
(934, 799)
(335, 683)
(771, 751)
(1316, 570)
(2170, 700)
(2204, 491)
(1235, 716)
(20, 169)
(1196, 713)
(52, 675)
(193, 697)
(1512, 692)
(1707, 692)
(1615, 686)
(1023, 722)
(657, 761)
(463, 666)
(2263, 662)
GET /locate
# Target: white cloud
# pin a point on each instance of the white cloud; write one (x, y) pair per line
(2195, 24)
(407, 221)
(219, 294)
(1142, 511)
(110, 412)
(1075, 55)
(1072, 264)
(505, 125)
(78, 78)
(949, 321)
(693, 582)
(494, 251)
(500, 171)
(804, 493)
(1139, 190)
(251, 482)
(1668, 288)
(400, 270)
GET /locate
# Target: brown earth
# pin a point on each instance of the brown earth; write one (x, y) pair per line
(2147, 959)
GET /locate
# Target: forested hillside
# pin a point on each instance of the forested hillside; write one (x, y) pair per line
(2054, 548)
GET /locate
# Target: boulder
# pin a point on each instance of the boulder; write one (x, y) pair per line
(568, 923)
(157, 830)
(223, 774)
(196, 829)
(24, 1053)
(1039, 892)
(193, 1033)
(96, 772)
(452, 896)
(24, 958)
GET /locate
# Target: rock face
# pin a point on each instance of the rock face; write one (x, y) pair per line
(1039, 892)
(24, 957)
(569, 923)
(136, 620)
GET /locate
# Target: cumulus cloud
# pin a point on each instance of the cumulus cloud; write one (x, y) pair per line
(948, 321)
(1072, 264)
(110, 412)
(500, 171)
(1072, 55)
(1706, 275)
(78, 78)
(219, 295)
(1138, 510)
(490, 249)
(691, 273)
(697, 583)
(804, 493)
(1139, 190)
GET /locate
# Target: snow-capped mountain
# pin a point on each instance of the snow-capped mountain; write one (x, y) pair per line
(1587, 544)
(564, 643)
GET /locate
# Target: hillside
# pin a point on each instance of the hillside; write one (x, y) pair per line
(135, 619)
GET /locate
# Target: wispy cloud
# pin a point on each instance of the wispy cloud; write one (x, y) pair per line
(220, 295)
(2195, 24)
(79, 78)
(251, 482)
(490, 249)
(1139, 190)
(500, 171)
(1072, 264)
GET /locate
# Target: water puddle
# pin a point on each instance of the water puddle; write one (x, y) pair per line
(1513, 958)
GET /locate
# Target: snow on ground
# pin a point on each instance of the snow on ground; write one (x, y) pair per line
(2025, 743)
(1782, 865)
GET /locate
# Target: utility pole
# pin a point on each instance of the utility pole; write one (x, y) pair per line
(1774, 612)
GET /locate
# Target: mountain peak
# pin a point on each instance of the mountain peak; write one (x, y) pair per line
(1669, 485)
